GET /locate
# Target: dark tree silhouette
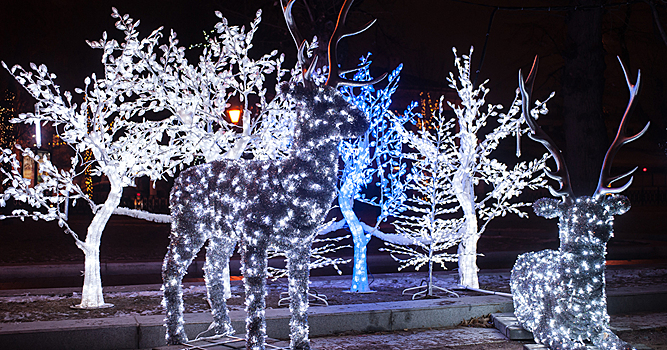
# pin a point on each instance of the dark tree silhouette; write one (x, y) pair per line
(582, 91)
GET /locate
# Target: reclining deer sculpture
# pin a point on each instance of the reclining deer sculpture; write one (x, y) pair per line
(560, 295)
(258, 204)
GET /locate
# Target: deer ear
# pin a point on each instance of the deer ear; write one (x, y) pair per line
(547, 207)
(616, 204)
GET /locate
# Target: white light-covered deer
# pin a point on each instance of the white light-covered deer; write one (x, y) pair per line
(560, 295)
(262, 204)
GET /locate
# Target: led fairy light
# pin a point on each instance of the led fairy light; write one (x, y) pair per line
(560, 295)
(263, 204)
(38, 135)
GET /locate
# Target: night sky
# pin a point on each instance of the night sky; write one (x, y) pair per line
(418, 33)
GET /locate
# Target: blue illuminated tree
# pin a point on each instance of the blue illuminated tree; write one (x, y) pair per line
(375, 155)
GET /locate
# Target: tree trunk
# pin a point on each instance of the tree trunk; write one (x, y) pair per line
(582, 89)
(468, 247)
(92, 297)
(360, 239)
(430, 270)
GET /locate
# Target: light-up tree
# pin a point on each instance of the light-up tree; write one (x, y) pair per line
(453, 159)
(320, 256)
(123, 149)
(376, 155)
(108, 122)
(200, 93)
(428, 221)
(472, 164)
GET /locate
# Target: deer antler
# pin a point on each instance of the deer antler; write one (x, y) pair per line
(307, 64)
(620, 140)
(537, 134)
(334, 78)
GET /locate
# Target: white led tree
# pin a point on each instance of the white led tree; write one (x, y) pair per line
(123, 149)
(109, 123)
(428, 222)
(468, 179)
(473, 164)
(199, 95)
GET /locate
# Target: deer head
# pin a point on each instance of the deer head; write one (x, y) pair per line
(330, 117)
(584, 215)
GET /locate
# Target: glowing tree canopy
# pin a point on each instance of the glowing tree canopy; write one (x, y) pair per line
(560, 295)
(263, 204)
(452, 158)
(109, 124)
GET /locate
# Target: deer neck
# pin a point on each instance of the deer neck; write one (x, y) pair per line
(583, 260)
(322, 153)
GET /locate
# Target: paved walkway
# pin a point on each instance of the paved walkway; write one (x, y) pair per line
(645, 331)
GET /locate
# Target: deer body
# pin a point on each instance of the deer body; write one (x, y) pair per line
(560, 295)
(259, 204)
(262, 204)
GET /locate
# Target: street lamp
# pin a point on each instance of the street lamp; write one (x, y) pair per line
(234, 115)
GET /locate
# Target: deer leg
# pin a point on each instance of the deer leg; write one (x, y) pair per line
(180, 254)
(608, 340)
(253, 259)
(218, 252)
(299, 273)
(556, 340)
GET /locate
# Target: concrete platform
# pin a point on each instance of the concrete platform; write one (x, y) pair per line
(145, 332)
(588, 347)
(142, 332)
(509, 326)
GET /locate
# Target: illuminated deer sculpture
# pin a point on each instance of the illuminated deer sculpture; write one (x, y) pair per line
(560, 295)
(258, 204)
